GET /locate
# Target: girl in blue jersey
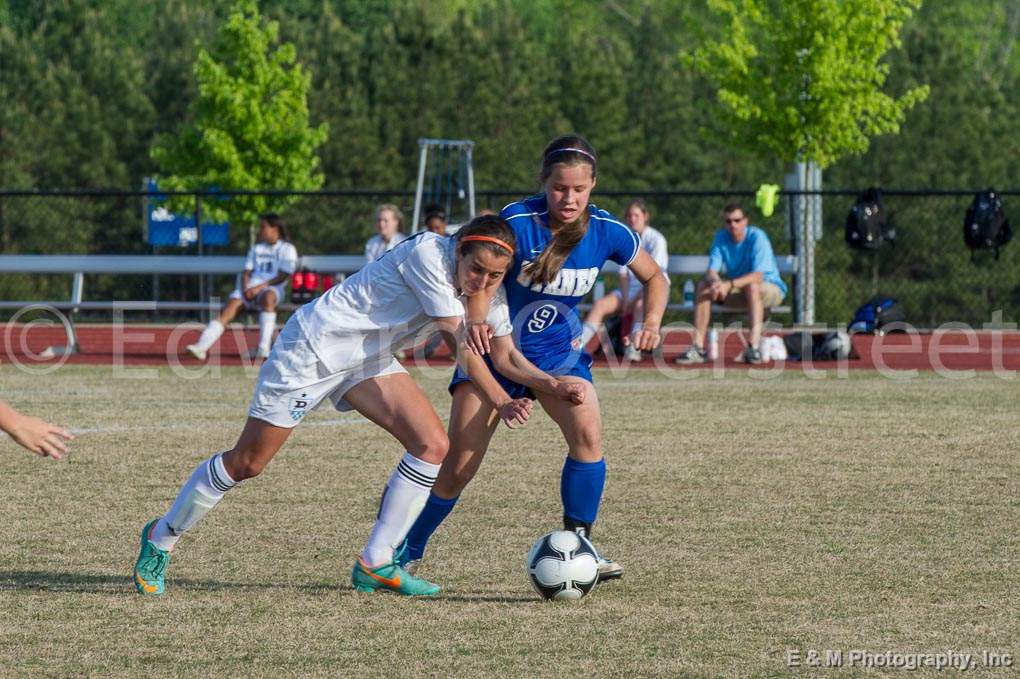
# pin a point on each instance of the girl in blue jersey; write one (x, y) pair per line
(562, 243)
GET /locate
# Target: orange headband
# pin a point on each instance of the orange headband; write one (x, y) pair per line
(490, 239)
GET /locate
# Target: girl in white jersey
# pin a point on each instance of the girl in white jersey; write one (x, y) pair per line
(340, 346)
(388, 222)
(270, 262)
(629, 298)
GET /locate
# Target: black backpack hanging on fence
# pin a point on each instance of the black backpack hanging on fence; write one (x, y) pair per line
(869, 224)
(986, 226)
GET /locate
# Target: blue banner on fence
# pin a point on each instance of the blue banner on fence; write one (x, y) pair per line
(163, 227)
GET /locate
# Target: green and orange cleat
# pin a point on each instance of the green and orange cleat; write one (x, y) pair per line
(150, 569)
(391, 577)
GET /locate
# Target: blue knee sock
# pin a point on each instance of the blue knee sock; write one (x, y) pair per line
(581, 489)
(436, 509)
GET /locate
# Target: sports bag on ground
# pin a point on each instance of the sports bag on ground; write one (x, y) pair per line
(819, 346)
(875, 314)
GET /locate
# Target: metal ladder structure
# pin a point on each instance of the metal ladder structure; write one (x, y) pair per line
(446, 177)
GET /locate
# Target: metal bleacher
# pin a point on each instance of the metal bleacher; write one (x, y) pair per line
(78, 266)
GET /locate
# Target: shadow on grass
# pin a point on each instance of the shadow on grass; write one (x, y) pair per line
(475, 598)
(111, 584)
(88, 583)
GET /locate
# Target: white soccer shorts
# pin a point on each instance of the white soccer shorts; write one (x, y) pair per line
(292, 381)
(253, 305)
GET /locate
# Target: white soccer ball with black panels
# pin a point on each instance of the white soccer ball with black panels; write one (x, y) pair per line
(562, 566)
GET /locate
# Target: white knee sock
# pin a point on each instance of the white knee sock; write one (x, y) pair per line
(209, 336)
(267, 324)
(588, 332)
(406, 493)
(200, 494)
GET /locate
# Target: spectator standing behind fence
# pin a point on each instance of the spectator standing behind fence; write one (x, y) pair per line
(269, 264)
(39, 436)
(435, 220)
(629, 300)
(752, 282)
(388, 220)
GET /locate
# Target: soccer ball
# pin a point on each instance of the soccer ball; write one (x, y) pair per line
(563, 565)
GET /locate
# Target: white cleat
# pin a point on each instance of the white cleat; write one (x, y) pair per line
(196, 351)
(609, 569)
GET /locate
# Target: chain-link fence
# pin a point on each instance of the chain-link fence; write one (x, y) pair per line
(929, 269)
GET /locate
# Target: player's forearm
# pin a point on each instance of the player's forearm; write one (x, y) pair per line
(748, 278)
(482, 378)
(477, 307)
(513, 365)
(9, 417)
(472, 364)
(656, 295)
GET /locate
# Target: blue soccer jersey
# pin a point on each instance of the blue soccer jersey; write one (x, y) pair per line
(545, 316)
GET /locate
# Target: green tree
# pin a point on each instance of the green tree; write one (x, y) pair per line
(250, 124)
(802, 79)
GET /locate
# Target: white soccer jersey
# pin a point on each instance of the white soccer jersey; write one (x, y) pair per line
(387, 304)
(376, 247)
(266, 261)
(654, 243)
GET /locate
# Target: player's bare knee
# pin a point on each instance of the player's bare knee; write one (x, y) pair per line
(588, 439)
(242, 466)
(433, 448)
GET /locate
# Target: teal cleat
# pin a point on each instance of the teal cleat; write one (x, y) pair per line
(390, 577)
(150, 568)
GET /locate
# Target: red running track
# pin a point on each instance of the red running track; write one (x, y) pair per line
(106, 344)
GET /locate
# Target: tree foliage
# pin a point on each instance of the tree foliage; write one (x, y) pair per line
(803, 79)
(90, 86)
(250, 126)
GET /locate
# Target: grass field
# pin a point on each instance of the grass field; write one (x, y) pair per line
(753, 517)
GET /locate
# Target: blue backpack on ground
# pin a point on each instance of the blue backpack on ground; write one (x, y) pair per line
(876, 314)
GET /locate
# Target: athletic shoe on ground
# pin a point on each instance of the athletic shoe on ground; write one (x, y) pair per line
(195, 351)
(150, 569)
(258, 354)
(692, 356)
(390, 577)
(608, 569)
(751, 355)
(632, 354)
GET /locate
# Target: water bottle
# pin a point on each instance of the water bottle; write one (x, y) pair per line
(689, 292)
(712, 350)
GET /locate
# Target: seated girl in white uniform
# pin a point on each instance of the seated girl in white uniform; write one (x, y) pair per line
(270, 262)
